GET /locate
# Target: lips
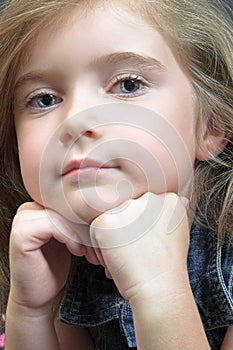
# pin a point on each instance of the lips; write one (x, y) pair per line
(85, 164)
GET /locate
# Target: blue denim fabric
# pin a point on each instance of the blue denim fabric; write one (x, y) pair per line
(93, 301)
(3, 5)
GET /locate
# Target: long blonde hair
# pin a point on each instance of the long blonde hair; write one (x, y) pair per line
(202, 40)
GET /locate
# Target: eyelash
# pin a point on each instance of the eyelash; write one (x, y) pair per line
(140, 82)
(135, 78)
(36, 95)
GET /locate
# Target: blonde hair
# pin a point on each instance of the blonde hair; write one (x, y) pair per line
(202, 40)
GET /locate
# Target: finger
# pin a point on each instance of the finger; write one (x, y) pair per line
(128, 222)
(30, 206)
(72, 231)
(91, 256)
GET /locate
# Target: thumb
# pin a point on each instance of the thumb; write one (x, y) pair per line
(127, 222)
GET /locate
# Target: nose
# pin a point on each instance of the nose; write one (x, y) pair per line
(80, 127)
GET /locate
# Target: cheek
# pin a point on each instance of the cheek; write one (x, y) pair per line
(29, 157)
(32, 136)
(170, 169)
(160, 163)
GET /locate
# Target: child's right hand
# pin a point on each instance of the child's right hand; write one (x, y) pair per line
(41, 244)
(39, 257)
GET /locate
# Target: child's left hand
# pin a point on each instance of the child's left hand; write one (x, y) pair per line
(144, 243)
(150, 269)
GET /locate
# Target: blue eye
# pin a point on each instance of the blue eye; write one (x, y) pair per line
(130, 86)
(44, 101)
(127, 85)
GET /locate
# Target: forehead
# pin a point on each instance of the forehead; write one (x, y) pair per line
(83, 33)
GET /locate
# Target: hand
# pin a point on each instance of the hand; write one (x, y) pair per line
(143, 243)
(39, 256)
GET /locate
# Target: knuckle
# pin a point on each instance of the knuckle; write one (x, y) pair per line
(29, 206)
(100, 221)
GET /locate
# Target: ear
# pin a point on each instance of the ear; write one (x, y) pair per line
(211, 143)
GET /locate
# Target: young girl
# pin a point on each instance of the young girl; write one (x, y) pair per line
(107, 109)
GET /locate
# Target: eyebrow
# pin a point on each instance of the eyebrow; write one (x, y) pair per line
(130, 58)
(115, 59)
(30, 77)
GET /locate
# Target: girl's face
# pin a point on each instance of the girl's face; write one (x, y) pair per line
(103, 113)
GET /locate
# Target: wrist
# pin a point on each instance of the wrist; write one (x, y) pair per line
(24, 311)
(25, 325)
(165, 288)
(169, 308)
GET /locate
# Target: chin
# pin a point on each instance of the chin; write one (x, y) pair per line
(87, 216)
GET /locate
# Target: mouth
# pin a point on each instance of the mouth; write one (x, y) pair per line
(86, 165)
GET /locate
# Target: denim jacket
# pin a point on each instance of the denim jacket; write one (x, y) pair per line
(93, 301)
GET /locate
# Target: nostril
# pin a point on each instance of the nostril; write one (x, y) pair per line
(87, 133)
(66, 138)
(69, 136)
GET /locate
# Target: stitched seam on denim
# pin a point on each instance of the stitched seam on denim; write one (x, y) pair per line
(220, 275)
(126, 324)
